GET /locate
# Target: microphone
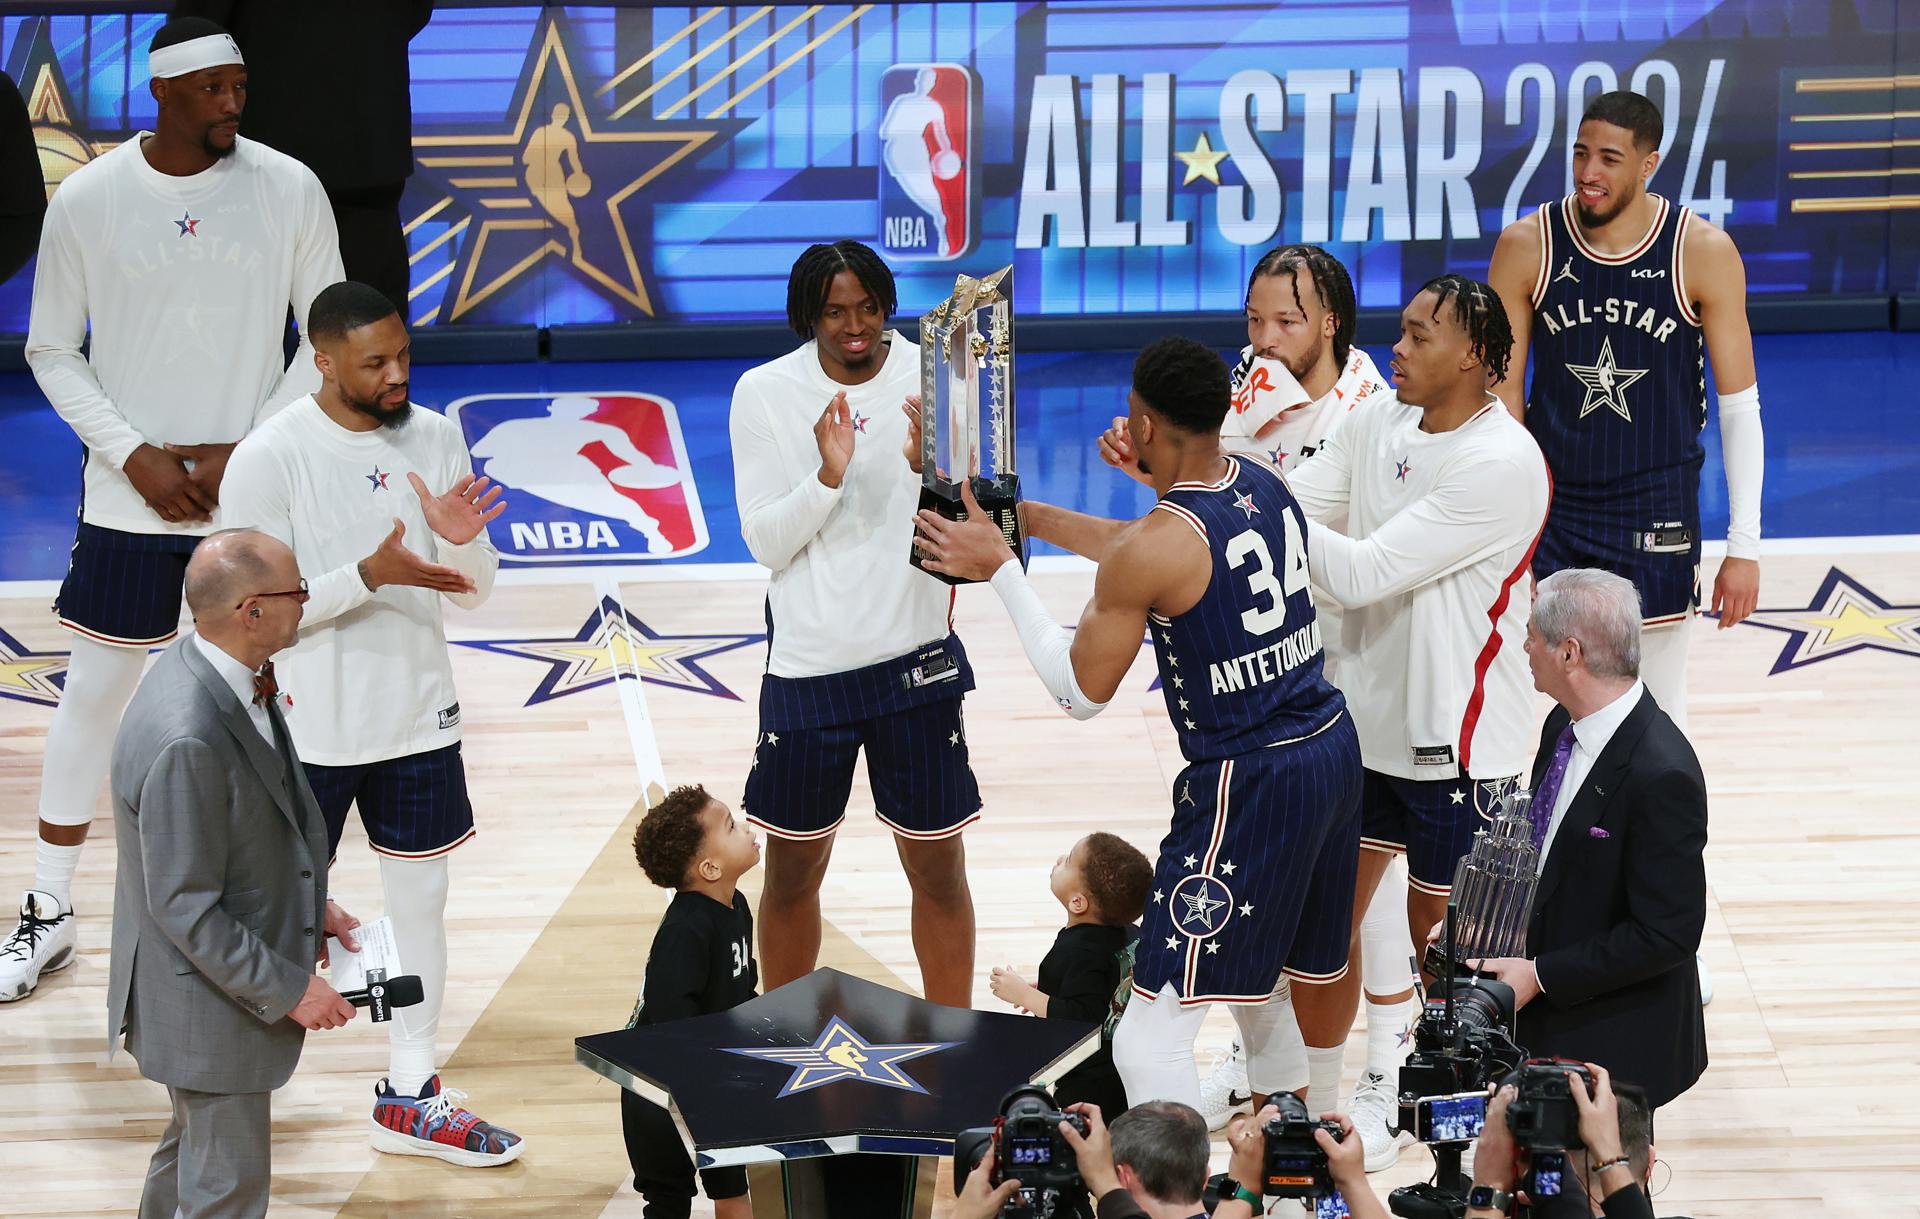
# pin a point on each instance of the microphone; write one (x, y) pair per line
(382, 994)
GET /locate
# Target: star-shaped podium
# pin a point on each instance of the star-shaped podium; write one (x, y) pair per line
(1843, 617)
(613, 644)
(731, 1083)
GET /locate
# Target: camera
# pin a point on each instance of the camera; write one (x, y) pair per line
(1027, 1145)
(1460, 1044)
(1542, 1114)
(1296, 1166)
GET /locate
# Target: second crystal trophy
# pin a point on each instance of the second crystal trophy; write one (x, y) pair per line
(1493, 888)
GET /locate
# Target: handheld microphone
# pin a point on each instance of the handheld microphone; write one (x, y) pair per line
(382, 994)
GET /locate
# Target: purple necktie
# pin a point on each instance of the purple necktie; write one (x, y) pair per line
(1548, 792)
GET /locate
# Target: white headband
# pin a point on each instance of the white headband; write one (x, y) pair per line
(196, 54)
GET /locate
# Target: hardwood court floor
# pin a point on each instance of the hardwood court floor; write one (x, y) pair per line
(1812, 1104)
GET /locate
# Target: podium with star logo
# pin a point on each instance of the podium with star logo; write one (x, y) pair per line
(851, 1089)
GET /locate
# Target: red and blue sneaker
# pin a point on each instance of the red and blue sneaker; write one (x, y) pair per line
(434, 1124)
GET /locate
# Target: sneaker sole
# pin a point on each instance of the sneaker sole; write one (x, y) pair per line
(55, 964)
(1216, 1119)
(1400, 1143)
(394, 1143)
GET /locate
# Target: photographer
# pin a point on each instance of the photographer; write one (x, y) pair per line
(1617, 1129)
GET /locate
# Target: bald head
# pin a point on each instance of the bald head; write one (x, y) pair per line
(227, 568)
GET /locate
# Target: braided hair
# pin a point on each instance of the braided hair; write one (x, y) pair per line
(1481, 314)
(1331, 284)
(811, 280)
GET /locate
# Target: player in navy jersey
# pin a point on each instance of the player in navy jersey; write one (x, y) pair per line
(1255, 876)
(1623, 296)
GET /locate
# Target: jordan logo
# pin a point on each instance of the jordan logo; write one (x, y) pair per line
(1566, 273)
(1606, 383)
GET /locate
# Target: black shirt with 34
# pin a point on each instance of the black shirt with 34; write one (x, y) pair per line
(702, 960)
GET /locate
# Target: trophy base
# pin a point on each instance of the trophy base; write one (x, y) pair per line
(999, 499)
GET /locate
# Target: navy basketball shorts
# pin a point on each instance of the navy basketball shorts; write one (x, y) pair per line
(917, 765)
(1255, 877)
(124, 588)
(1430, 821)
(1662, 558)
(413, 807)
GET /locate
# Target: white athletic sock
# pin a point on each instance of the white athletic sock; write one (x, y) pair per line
(53, 871)
(417, 903)
(1276, 1054)
(1323, 1079)
(1153, 1049)
(1390, 1034)
(100, 680)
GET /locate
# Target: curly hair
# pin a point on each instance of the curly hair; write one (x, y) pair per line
(811, 280)
(1481, 314)
(1186, 383)
(1332, 286)
(1117, 877)
(670, 835)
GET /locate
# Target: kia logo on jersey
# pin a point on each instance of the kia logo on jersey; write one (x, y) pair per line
(929, 193)
(588, 476)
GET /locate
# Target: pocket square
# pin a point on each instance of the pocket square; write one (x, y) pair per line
(1594, 831)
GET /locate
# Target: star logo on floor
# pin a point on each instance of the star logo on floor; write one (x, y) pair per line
(1843, 617)
(839, 1053)
(613, 644)
(28, 676)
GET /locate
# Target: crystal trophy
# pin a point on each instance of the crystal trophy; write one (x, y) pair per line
(966, 407)
(1493, 888)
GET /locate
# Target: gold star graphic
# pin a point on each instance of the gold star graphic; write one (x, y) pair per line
(29, 676)
(611, 645)
(1201, 162)
(1843, 616)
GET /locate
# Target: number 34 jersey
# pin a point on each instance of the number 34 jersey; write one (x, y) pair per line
(1243, 669)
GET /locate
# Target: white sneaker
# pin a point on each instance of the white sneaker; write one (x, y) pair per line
(41, 943)
(1375, 1110)
(1706, 979)
(1224, 1091)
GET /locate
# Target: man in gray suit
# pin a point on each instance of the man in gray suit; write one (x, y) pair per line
(220, 905)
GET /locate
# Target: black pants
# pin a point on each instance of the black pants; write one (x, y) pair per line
(662, 1172)
(372, 246)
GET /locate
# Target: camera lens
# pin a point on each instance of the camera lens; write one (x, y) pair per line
(1477, 1007)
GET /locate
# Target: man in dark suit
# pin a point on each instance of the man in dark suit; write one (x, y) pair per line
(220, 902)
(1620, 816)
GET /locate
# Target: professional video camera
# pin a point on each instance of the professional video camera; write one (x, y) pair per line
(1027, 1144)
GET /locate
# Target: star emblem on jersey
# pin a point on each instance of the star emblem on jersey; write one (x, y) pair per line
(1457, 796)
(860, 424)
(1606, 383)
(1198, 899)
(1401, 469)
(1489, 792)
(1277, 456)
(557, 180)
(378, 478)
(839, 1053)
(28, 676)
(1244, 502)
(613, 644)
(189, 225)
(1843, 616)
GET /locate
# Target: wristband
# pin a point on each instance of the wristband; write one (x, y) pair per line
(1616, 1162)
(1242, 1194)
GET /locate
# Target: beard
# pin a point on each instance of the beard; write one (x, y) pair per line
(386, 417)
(1597, 219)
(214, 150)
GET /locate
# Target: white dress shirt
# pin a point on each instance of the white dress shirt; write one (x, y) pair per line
(1590, 736)
(238, 676)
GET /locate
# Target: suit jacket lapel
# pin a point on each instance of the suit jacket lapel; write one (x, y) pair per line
(1597, 790)
(267, 761)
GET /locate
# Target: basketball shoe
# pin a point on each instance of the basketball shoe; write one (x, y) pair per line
(434, 1124)
(41, 943)
(1375, 1108)
(1224, 1091)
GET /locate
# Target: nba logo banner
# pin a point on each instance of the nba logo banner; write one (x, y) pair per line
(588, 477)
(929, 187)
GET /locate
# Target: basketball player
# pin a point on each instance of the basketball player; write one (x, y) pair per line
(1621, 296)
(380, 505)
(1443, 495)
(1298, 378)
(176, 256)
(1265, 831)
(862, 654)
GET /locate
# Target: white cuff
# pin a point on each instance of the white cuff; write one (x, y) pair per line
(1048, 646)
(1743, 453)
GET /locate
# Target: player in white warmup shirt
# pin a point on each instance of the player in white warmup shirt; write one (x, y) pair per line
(388, 523)
(172, 261)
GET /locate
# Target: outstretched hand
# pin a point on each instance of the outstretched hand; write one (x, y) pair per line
(463, 510)
(393, 563)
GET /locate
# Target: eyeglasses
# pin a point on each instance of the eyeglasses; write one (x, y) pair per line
(299, 595)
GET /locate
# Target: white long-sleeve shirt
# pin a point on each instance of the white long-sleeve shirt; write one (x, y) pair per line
(1433, 574)
(369, 678)
(843, 595)
(182, 286)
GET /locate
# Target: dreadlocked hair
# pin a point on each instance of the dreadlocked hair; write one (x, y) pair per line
(1481, 314)
(812, 279)
(1331, 285)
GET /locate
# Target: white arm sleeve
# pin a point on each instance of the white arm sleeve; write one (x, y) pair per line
(1743, 452)
(1049, 648)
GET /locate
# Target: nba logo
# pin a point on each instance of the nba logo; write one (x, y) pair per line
(588, 477)
(928, 194)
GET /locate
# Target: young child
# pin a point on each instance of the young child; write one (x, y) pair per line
(1103, 884)
(702, 961)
